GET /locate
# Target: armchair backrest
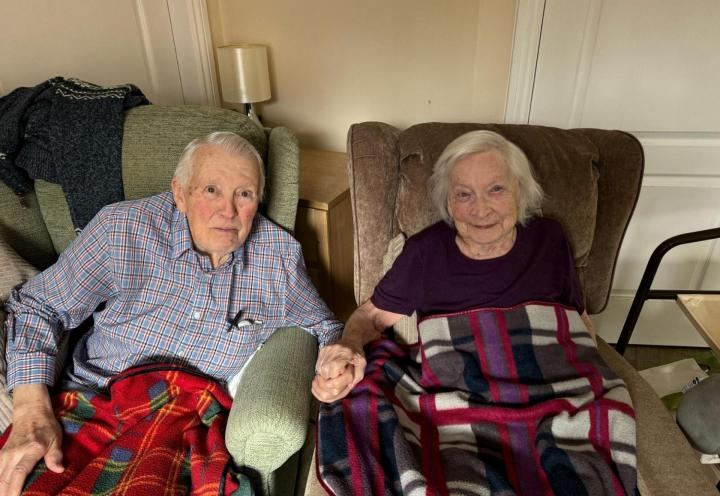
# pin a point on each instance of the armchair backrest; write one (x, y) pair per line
(40, 227)
(591, 179)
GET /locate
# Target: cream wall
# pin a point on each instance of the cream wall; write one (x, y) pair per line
(102, 41)
(336, 62)
(97, 41)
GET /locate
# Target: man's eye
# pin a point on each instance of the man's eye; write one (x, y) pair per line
(211, 189)
(247, 194)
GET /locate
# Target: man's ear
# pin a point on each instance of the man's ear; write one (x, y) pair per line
(178, 195)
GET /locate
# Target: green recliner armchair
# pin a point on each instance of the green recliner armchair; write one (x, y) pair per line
(269, 417)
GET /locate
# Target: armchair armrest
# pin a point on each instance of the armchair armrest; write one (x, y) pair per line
(269, 417)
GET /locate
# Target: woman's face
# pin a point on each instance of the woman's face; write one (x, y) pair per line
(482, 201)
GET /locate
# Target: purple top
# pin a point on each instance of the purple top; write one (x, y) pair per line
(432, 276)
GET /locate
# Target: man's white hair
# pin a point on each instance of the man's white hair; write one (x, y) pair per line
(231, 143)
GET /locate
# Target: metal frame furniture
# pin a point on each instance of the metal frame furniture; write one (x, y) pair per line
(645, 293)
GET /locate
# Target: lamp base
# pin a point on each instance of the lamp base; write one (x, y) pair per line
(250, 112)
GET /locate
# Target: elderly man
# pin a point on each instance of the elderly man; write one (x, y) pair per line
(193, 277)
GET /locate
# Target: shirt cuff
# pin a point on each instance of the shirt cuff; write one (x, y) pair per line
(30, 368)
(330, 336)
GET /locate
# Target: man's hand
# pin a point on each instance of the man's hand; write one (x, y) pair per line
(35, 435)
(337, 370)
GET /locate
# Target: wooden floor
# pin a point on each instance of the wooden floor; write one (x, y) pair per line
(643, 357)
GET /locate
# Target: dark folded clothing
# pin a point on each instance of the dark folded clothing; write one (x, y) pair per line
(67, 132)
(16, 109)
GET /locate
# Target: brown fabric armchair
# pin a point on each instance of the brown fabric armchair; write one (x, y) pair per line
(592, 180)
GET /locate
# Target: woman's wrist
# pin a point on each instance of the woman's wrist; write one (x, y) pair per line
(354, 343)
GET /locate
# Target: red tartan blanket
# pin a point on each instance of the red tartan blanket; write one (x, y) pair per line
(160, 431)
(490, 401)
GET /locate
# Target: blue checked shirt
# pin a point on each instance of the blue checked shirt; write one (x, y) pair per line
(153, 298)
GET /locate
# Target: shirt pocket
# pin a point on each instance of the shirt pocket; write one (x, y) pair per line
(246, 316)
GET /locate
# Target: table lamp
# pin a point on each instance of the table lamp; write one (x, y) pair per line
(244, 76)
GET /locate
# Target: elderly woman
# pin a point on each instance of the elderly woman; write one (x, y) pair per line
(505, 391)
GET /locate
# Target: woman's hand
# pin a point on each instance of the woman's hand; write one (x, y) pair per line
(35, 435)
(337, 370)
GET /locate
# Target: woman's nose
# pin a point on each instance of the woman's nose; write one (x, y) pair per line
(480, 206)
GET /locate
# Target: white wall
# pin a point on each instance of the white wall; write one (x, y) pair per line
(336, 62)
(93, 40)
(102, 41)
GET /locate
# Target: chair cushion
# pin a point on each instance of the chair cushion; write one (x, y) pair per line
(698, 414)
(550, 151)
(55, 213)
(282, 181)
(22, 227)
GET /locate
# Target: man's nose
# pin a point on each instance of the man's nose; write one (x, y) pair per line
(229, 208)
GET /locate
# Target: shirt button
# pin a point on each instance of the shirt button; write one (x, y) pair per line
(196, 315)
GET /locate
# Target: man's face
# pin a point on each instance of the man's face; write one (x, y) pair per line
(220, 201)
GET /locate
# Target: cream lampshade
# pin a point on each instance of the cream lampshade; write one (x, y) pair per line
(244, 75)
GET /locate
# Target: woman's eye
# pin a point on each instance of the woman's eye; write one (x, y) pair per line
(497, 189)
(462, 195)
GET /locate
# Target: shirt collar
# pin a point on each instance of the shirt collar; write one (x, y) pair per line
(180, 234)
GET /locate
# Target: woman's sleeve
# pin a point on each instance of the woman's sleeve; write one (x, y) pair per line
(401, 289)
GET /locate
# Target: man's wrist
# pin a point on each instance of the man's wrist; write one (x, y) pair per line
(30, 397)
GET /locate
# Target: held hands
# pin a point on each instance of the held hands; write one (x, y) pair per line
(337, 370)
(35, 435)
(341, 366)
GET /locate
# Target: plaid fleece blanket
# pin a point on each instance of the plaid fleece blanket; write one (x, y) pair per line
(491, 402)
(159, 432)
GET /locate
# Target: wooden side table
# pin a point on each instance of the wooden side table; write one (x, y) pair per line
(324, 227)
(703, 310)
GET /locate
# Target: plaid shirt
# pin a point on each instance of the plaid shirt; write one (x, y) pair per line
(153, 298)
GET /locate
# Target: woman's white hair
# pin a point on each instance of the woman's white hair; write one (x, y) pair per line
(229, 142)
(529, 192)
